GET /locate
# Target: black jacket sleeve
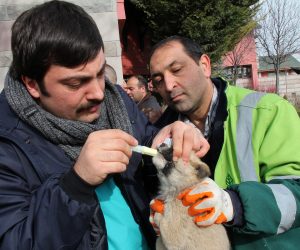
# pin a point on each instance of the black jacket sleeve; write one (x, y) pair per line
(35, 214)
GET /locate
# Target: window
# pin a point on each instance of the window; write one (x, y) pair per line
(242, 71)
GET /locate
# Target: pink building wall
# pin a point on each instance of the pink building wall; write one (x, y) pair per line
(246, 48)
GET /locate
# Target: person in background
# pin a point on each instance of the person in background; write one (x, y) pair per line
(123, 85)
(254, 157)
(137, 89)
(111, 74)
(68, 176)
(159, 99)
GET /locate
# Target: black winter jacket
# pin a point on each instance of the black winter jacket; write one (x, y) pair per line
(44, 204)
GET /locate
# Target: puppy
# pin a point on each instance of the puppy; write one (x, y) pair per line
(177, 229)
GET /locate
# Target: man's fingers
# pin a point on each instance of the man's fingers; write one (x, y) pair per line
(114, 156)
(113, 167)
(185, 138)
(114, 134)
(202, 148)
(104, 152)
(105, 145)
(201, 145)
(188, 143)
(177, 139)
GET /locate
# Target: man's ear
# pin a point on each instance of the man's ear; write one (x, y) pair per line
(31, 86)
(204, 63)
(144, 89)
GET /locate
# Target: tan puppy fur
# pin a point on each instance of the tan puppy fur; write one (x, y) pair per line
(178, 230)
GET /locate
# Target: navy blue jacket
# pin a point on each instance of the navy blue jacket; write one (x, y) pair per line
(44, 204)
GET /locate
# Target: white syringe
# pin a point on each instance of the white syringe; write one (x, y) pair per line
(144, 150)
(150, 151)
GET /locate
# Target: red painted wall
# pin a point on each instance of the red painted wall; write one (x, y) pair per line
(135, 42)
(135, 57)
(247, 48)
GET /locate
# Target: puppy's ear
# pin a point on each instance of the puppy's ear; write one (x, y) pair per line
(201, 167)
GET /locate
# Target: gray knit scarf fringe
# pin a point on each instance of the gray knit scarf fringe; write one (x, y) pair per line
(69, 135)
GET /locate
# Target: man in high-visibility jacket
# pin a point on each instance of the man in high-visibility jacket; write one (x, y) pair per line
(254, 155)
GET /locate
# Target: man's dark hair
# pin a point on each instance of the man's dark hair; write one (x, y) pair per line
(192, 48)
(53, 33)
(142, 81)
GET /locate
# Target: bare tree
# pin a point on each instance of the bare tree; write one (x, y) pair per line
(278, 35)
(237, 56)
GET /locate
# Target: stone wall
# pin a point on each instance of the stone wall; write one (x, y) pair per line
(104, 13)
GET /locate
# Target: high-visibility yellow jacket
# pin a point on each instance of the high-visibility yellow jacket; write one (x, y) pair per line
(261, 155)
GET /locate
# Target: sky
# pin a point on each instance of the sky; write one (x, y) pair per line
(294, 21)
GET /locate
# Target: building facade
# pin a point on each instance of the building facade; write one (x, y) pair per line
(105, 13)
(289, 78)
(241, 64)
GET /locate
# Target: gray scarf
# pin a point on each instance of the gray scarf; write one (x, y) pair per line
(69, 135)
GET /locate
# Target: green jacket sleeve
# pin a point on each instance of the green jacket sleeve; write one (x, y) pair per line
(269, 209)
(272, 206)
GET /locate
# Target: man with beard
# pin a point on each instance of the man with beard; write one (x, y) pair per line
(137, 89)
(254, 149)
(68, 176)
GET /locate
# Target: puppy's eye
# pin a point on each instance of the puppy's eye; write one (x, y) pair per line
(168, 168)
(166, 151)
(162, 147)
(168, 154)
